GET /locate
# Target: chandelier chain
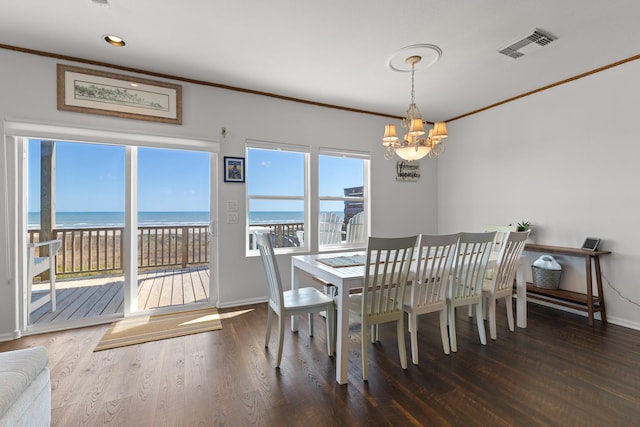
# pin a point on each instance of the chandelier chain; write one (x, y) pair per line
(413, 92)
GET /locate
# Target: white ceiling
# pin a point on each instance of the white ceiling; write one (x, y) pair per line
(336, 51)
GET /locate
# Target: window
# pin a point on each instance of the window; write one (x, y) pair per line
(276, 193)
(343, 199)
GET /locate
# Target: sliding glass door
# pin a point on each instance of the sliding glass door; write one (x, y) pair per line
(133, 218)
(75, 196)
(173, 221)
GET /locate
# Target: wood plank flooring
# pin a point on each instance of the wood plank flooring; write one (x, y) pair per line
(80, 298)
(557, 372)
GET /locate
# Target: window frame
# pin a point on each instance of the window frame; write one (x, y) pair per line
(305, 198)
(365, 199)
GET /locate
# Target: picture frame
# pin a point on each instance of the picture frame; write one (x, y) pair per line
(83, 90)
(407, 171)
(233, 169)
(591, 244)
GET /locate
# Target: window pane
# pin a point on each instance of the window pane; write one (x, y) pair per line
(88, 178)
(338, 173)
(174, 181)
(274, 211)
(276, 198)
(342, 201)
(285, 223)
(275, 172)
(335, 207)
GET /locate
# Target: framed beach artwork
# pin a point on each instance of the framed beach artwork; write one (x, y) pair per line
(97, 92)
(234, 169)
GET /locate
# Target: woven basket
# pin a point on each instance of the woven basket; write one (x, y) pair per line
(543, 278)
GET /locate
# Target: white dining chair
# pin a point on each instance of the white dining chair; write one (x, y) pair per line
(427, 292)
(291, 302)
(500, 284)
(502, 231)
(501, 234)
(466, 279)
(387, 267)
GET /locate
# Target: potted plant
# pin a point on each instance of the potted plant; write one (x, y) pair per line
(523, 226)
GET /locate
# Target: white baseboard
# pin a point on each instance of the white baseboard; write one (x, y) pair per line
(613, 320)
(624, 322)
(239, 303)
(10, 336)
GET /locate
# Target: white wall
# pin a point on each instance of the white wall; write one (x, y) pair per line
(28, 93)
(565, 159)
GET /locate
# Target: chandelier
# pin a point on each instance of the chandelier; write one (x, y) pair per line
(416, 141)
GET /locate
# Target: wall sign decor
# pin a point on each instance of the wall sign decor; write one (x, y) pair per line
(98, 92)
(234, 169)
(407, 171)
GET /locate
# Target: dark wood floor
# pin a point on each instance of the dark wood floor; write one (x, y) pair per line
(558, 372)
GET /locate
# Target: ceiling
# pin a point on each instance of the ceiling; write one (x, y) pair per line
(337, 51)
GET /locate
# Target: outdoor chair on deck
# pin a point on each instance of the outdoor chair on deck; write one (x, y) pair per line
(465, 281)
(427, 293)
(329, 229)
(381, 301)
(307, 300)
(356, 228)
(37, 265)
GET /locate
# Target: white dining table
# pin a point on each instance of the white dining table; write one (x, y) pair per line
(351, 276)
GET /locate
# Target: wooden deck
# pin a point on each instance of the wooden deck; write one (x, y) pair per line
(81, 298)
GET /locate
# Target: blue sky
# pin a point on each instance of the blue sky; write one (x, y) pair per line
(90, 178)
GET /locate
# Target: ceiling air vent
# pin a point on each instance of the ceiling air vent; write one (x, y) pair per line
(530, 42)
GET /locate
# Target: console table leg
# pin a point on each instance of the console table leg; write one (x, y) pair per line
(603, 312)
(589, 290)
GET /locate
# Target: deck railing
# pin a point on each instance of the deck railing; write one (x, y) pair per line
(100, 250)
(282, 235)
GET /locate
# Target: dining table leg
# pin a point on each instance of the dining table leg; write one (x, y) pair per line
(342, 338)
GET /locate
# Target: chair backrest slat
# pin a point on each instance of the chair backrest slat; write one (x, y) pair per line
(386, 273)
(502, 231)
(434, 259)
(271, 270)
(470, 264)
(508, 259)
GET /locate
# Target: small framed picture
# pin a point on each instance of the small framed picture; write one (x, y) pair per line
(591, 244)
(234, 169)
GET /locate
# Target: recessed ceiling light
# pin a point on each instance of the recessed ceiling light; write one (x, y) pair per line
(114, 40)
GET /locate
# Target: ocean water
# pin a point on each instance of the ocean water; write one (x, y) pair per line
(116, 219)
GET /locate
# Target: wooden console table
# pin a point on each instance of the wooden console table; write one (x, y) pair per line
(576, 300)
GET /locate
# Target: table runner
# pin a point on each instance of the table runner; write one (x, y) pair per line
(344, 261)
